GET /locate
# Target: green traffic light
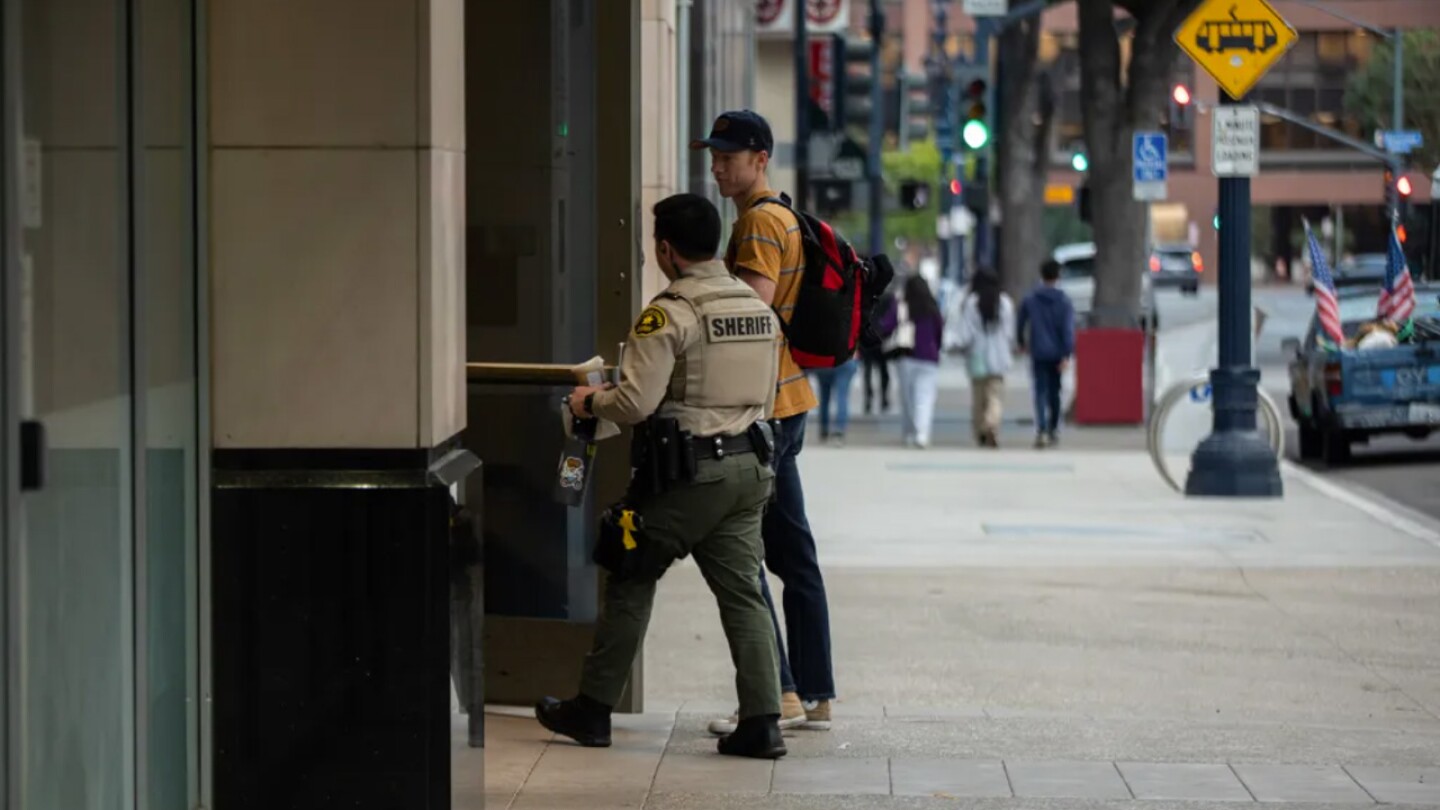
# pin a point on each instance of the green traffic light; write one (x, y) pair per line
(975, 134)
(1216, 222)
(1080, 163)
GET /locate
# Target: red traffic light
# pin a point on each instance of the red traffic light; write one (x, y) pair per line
(1401, 234)
(1403, 186)
(1181, 94)
(955, 187)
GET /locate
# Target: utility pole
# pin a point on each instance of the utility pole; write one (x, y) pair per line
(802, 109)
(875, 171)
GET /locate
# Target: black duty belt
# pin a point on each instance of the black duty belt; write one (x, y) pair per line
(721, 446)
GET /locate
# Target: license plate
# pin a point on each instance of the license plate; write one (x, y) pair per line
(1424, 413)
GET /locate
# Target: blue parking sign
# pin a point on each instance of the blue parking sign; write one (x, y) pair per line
(1151, 159)
(1151, 163)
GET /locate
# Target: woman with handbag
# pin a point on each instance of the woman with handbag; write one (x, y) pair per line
(987, 337)
(912, 327)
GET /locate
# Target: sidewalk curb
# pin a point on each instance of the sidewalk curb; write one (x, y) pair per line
(1386, 510)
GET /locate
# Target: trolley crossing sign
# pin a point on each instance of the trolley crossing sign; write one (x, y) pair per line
(1235, 41)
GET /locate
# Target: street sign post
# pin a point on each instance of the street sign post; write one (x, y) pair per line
(987, 8)
(1236, 147)
(1235, 41)
(1151, 162)
(1401, 142)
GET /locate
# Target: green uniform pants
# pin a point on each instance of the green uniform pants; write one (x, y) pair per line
(716, 518)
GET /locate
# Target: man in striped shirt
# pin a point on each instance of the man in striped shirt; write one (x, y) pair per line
(766, 252)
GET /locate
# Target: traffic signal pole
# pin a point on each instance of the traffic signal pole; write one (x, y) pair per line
(1397, 89)
(1398, 106)
(943, 124)
(1234, 461)
(802, 112)
(875, 171)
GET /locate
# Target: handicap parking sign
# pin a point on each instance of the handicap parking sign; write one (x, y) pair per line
(1151, 161)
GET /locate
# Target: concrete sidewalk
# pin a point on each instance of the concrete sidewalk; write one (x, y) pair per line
(1050, 629)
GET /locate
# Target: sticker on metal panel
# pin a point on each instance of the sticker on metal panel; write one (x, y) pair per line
(652, 320)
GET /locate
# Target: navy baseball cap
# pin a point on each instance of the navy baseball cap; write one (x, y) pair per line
(737, 131)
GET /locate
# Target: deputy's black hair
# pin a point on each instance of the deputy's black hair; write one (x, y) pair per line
(691, 224)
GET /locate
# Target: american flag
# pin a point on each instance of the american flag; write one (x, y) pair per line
(1397, 299)
(1326, 302)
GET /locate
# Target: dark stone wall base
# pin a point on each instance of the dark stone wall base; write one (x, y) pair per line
(331, 581)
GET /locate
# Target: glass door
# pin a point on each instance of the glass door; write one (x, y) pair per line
(100, 415)
(73, 702)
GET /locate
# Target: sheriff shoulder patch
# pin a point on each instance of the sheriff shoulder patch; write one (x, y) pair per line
(652, 320)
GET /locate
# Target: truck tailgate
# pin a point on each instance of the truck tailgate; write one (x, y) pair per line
(1403, 380)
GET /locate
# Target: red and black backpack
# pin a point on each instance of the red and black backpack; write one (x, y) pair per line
(834, 312)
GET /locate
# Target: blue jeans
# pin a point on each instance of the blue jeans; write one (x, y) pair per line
(1046, 384)
(835, 387)
(790, 555)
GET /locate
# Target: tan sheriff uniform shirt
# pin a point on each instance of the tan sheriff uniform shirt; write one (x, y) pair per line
(766, 240)
(671, 330)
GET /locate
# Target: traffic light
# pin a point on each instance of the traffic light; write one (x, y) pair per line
(955, 188)
(1398, 189)
(914, 195)
(1080, 163)
(855, 107)
(974, 85)
(1181, 107)
(914, 113)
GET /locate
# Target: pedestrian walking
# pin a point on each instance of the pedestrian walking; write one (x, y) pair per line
(835, 384)
(875, 366)
(1046, 331)
(766, 252)
(913, 327)
(698, 373)
(987, 338)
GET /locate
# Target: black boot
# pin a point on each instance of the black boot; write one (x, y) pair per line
(583, 720)
(757, 737)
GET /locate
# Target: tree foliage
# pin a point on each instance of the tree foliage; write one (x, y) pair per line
(1369, 93)
(920, 162)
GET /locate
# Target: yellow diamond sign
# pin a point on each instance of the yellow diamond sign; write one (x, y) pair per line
(1235, 41)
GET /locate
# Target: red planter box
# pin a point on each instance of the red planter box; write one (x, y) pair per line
(1110, 377)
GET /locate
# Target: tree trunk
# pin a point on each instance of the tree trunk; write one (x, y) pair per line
(1114, 111)
(1024, 157)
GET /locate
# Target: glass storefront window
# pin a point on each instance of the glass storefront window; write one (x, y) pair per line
(1310, 81)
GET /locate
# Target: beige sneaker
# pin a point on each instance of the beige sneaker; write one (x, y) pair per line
(792, 715)
(817, 716)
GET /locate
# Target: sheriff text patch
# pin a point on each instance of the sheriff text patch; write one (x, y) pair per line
(734, 328)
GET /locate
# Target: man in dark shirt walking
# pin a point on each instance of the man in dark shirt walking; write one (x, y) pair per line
(1050, 340)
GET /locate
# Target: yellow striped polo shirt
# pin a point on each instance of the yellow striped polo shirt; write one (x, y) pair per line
(766, 240)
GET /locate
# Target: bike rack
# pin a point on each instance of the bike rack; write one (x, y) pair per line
(1270, 414)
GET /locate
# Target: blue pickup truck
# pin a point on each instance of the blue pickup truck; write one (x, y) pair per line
(1343, 397)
